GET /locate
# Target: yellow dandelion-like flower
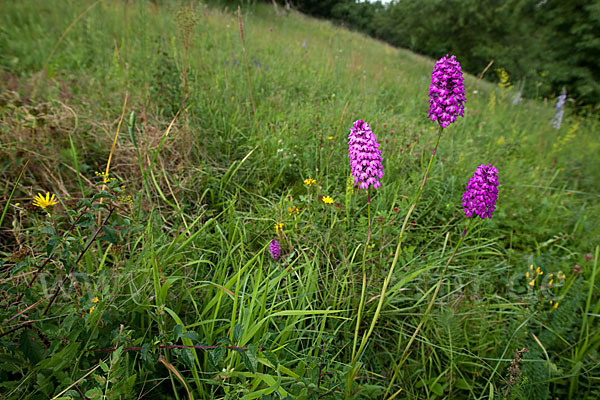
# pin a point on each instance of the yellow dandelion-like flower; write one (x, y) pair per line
(327, 200)
(95, 299)
(278, 226)
(527, 275)
(532, 283)
(551, 302)
(309, 182)
(555, 305)
(92, 309)
(551, 282)
(44, 202)
(330, 138)
(531, 267)
(537, 270)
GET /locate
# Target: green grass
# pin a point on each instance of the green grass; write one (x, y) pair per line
(185, 262)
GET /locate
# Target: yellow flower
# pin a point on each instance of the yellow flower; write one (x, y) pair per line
(532, 283)
(537, 270)
(330, 138)
(531, 267)
(92, 309)
(550, 283)
(555, 305)
(293, 210)
(327, 200)
(527, 274)
(44, 202)
(278, 227)
(309, 182)
(95, 299)
(551, 302)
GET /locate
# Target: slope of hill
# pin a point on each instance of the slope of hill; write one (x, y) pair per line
(156, 280)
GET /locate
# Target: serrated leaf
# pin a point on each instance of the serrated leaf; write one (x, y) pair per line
(193, 336)
(218, 355)
(251, 354)
(237, 332)
(271, 357)
(247, 361)
(177, 331)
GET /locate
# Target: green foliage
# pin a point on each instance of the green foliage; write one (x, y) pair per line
(164, 283)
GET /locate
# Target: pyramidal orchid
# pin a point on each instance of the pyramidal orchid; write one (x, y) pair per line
(481, 192)
(274, 249)
(365, 156)
(446, 92)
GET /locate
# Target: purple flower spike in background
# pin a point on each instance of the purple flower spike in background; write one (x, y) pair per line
(481, 192)
(274, 249)
(365, 156)
(446, 92)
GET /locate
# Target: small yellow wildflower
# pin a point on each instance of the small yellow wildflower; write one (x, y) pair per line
(330, 138)
(551, 282)
(44, 202)
(278, 226)
(293, 210)
(95, 299)
(537, 270)
(92, 309)
(527, 275)
(327, 200)
(555, 305)
(551, 302)
(531, 267)
(309, 182)
(532, 283)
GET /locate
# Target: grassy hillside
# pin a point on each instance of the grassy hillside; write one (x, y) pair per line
(155, 281)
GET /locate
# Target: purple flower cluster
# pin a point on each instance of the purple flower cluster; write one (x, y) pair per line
(481, 192)
(274, 249)
(365, 156)
(446, 92)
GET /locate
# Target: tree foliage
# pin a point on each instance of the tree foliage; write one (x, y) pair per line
(544, 44)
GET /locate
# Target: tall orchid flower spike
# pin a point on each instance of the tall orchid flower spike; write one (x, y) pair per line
(365, 156)
(446, 92)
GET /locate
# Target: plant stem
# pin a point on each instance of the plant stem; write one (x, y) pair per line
(386, 282)
(364, 276)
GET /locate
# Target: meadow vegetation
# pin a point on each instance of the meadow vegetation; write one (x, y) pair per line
(178, 150)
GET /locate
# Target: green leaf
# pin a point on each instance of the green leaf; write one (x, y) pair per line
(193, 336)
(94, 393)
(271, 357)
(462, 384)
(30, 346)
(177, 331)
(251, 354)
(237, 332)
(247, 361)
(104, 367)
(110, 234)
